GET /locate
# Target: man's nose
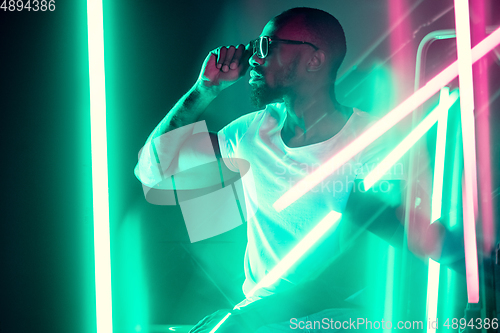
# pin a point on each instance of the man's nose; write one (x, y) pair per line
(255, 61)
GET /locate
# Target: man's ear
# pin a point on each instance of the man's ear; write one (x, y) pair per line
(317, 61)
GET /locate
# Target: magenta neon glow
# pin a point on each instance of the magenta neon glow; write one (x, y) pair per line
(484, 157)
(383, 125)
(399, 48)
(469, 146)
(482, 101)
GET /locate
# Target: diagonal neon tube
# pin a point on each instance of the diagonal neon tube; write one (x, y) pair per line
(409, 141)
(383, 125)
(329, 221)
(220, 323)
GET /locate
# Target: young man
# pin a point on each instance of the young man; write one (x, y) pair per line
(293, 67)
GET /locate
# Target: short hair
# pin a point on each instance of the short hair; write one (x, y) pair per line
(324, 28)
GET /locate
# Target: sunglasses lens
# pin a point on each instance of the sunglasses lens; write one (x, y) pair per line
(260, 46)
(263, 47)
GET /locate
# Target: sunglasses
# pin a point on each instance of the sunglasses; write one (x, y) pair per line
(261, 45)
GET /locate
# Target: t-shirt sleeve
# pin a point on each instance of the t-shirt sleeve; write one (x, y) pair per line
(179, 150)
(230, 137)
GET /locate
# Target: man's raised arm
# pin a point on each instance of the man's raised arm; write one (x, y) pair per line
(173, 146)
(221, 68)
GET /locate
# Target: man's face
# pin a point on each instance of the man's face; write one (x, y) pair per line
(278, 74)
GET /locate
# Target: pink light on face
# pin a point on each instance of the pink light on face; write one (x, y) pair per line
(469, 146)
(383, 125)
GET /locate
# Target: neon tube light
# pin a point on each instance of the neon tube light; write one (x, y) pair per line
(465, 60)
(99, 166)
(409, 141)
(432, 294)
(436, 203)
(389, 288)
(437, 184)
(482, 102)
(220, 323)
(298, 251)
(383, 125)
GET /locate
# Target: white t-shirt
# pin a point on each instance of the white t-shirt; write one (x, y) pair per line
(256, 138)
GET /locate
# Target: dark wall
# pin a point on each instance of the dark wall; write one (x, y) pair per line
(46, 231)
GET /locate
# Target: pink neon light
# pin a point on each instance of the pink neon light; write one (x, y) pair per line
(483, 155)
(478, 28)
(471, 266)
(400, 49)
(469, 146)
(383, 125)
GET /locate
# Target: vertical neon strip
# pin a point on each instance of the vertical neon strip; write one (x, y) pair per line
(437, 184)
(456, 181)
(383, 125)
(389, 287)
(451, 294)
(298, 251)
(484, 158)
(432, 293)
(436, 203)
(482, 102)
(99, 166)
(469, 146)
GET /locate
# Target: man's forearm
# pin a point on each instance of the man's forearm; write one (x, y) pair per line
(306, 299)
(186, 111)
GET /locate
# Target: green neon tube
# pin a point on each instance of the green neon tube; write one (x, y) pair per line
(99, 166)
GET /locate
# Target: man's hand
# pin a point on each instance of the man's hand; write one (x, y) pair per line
(223, 67)
(230, 325)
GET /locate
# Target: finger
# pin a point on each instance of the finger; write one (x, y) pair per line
(248, 51)
(229, 57)
(221, 56)
(212, 58)
(244, 61)
(200, 324)
(237, 56)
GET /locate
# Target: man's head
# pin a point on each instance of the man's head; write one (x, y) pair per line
(292, 68)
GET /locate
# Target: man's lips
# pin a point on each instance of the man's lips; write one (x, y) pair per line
(255, 75)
